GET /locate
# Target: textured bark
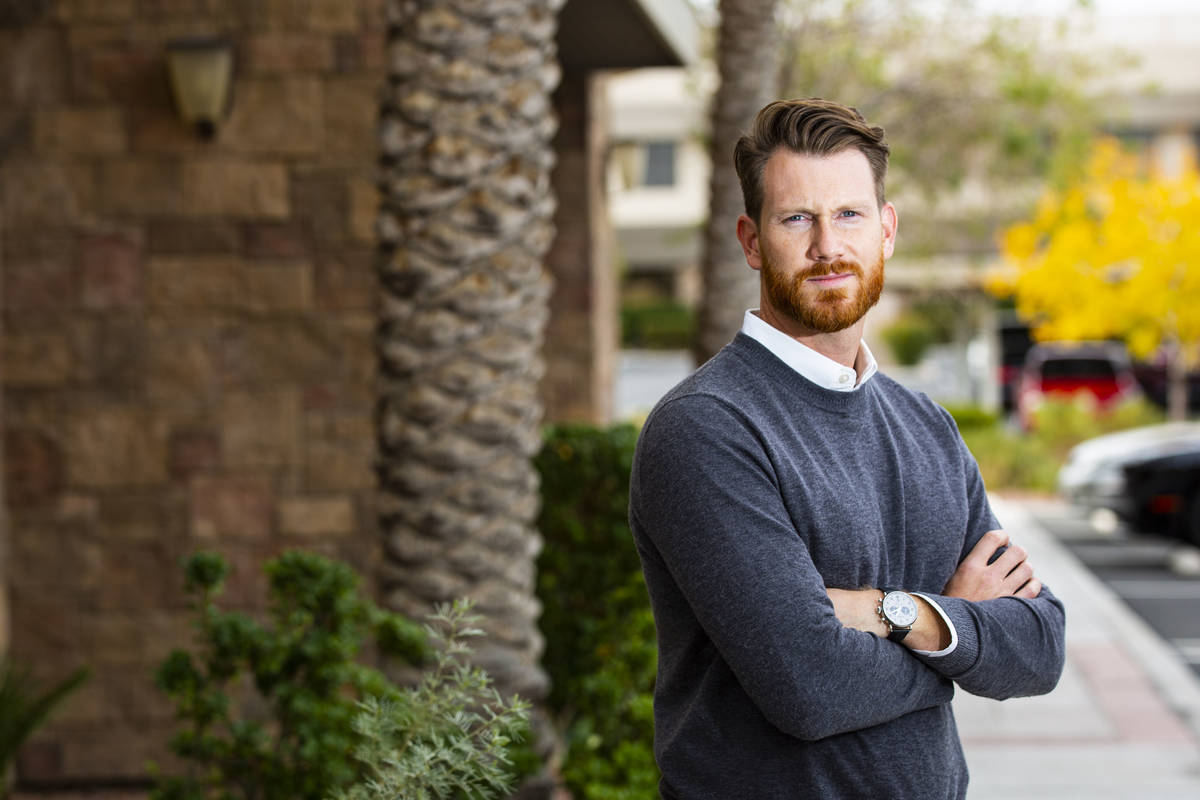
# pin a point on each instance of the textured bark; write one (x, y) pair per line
(748, 65)
(466, 125)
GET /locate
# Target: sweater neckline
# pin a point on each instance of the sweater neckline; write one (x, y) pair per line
(763, 361)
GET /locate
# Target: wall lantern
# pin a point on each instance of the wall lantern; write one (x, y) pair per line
(201, 71)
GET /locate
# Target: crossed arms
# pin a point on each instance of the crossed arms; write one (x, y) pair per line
(729, 575)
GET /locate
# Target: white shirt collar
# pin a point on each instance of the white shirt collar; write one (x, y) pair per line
(819, 369)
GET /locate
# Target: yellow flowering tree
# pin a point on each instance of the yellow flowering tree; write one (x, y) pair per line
(1117, 254)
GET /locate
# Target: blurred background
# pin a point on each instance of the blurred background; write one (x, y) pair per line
(395, 282)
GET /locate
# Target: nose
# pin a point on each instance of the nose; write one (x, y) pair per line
(825, 244)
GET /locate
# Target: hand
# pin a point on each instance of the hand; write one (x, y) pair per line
(1009, 575)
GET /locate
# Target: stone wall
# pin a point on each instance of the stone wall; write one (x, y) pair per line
(187, 334)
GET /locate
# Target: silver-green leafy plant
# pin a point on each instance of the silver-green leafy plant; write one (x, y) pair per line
(448, 736)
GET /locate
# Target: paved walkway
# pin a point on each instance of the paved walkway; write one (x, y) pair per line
(1123, 723)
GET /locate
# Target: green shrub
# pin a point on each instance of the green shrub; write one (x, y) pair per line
(600, 647)
(1011, 459)
(657, 326)
(446, 737)
(266, 710)
(25, 705)
(972, 417)
(908, 337)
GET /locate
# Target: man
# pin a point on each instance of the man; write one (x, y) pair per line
(820, 554)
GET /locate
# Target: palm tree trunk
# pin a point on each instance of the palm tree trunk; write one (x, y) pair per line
(747, 62)
(465, 219)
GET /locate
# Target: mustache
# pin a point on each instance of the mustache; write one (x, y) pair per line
(832, 268)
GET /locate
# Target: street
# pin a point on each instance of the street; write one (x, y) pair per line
(1137, 568)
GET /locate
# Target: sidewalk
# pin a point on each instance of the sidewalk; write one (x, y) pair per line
(1124, 721)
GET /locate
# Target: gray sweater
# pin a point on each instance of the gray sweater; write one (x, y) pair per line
(752, 490)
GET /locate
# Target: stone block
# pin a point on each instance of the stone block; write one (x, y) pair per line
(110, 272)
(271, 287)
(334, 16)
(288, 53)
(36, 358)
(109, 356)
(364, 210)
(231, 508)
(261, 429)
(34, 472)
(143, 187)
(114, 447)
(293, 350)
(41, 193)
(276, 240)
(346, 281)
(280, 14)
(73, 11)
(32, 67)
(116, 69)
(38, 285)
(183, 366)
(192, 236)
(351, 120)
(193, 452)
(339, 452)
(276, 116)
(179, 283)
(139, 576)
(317, 516)
(235, 189)
(319, 202)
(79, 131)
(145, 516)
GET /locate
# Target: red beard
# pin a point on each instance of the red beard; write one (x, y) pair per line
(831, 310)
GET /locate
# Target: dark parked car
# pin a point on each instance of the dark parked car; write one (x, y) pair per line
(1148, 476)
(1163, 495)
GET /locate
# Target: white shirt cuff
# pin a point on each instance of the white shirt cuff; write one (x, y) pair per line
(949, 624)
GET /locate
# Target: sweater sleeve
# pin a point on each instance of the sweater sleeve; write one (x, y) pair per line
(1007, 647)
(705, 506)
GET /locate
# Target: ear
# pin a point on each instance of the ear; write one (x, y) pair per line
(747, 233)
(891, 222)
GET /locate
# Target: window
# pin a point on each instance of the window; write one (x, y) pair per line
(660, 164)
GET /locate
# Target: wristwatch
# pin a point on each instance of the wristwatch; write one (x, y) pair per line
(898, 610)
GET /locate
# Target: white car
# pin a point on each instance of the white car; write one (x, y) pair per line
(1093, 476)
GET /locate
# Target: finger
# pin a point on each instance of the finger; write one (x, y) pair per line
(1030, 590)
(987, 545)
(1010, 559)
(1018, 578)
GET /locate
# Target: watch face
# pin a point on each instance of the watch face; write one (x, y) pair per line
(900, 609)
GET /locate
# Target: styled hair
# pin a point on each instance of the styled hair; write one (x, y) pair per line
(810, 127)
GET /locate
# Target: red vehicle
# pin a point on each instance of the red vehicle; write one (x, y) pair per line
(1101, 370)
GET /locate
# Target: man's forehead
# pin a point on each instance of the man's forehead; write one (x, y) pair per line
(843, 176)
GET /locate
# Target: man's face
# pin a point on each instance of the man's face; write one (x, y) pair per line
(821, 240)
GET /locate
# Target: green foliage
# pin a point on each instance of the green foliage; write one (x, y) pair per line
(908, 337)
(661, 325)
(266, 710)
(26, 704)
(600, 646)
(1011, 459)
(447, 737)
(972, 417)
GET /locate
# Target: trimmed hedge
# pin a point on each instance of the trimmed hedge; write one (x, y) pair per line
(600, 647)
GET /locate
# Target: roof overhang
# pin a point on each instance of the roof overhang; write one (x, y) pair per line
(626, 34)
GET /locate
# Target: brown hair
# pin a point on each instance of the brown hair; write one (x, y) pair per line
(810, 127)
